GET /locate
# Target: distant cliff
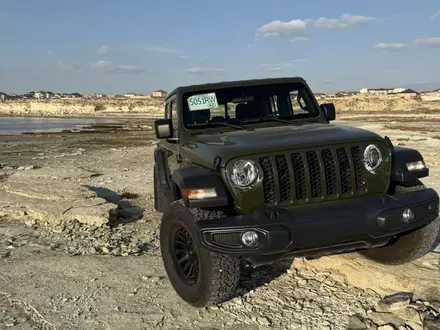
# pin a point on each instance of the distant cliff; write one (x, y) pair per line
(382, 104)
(82, 107)
(154, 107)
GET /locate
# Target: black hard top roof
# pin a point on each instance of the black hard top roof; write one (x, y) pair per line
(235, 83)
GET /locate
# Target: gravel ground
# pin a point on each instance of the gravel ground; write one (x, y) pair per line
(62, 274)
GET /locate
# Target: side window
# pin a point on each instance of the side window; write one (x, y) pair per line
(299, 105)
(173, 116)
(274, 104)
(167, 110)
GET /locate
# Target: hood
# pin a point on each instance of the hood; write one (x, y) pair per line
(261, 140)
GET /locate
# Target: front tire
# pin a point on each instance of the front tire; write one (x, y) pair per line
(411, 246)
(200, 277)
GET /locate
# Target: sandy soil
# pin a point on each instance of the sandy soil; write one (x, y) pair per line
(105, 272)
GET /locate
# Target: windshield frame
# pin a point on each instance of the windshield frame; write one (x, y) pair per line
(315, 111)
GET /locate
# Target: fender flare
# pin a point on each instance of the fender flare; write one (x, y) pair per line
(196, 177)
(161, 163)
(399, 158)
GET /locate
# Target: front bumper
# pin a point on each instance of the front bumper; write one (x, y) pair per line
(319, 229)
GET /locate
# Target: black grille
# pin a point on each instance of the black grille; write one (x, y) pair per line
(313, 175)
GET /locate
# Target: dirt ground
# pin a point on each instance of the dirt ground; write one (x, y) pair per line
(105, 272)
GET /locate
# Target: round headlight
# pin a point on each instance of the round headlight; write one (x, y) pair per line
(372, 158)
(243, 173)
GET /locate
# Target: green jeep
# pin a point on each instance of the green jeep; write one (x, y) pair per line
(251, 172)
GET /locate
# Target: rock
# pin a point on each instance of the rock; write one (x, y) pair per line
(30, 222)
(263, 320)
(409, 314)
(354, 323)
(318, 311)
(307, 273)
(97, 215)
(385, 318)
(105, 249)
(431, 324)
(395, 301)
(414, 325)
(23, 196)
(386, 327)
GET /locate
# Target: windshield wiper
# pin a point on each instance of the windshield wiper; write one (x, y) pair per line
(223, 123)
(257, 120)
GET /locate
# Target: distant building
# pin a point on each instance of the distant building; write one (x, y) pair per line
(98, 95)
(342, 94)
(381, 91)
(136, 96)
(38, 95)
(430, 96)
(409, 93)
(159, 93)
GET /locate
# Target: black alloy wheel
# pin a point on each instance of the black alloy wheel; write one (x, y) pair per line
(184, 254)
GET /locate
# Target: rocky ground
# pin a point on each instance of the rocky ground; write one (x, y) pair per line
(105, 270)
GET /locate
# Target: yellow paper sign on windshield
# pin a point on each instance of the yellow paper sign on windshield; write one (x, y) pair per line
(202, 101)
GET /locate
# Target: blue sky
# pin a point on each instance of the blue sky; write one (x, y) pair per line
(138, 46)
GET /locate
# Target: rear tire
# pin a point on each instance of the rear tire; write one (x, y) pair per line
(411, 246)
(204, 278)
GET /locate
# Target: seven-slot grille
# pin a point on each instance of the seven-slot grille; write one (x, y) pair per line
(313, 175)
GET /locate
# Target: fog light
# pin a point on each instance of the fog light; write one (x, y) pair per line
(250, 239)
(407, 215)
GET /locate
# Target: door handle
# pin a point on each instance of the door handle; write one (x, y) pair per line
(173, 140)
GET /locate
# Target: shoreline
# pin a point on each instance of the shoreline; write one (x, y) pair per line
(84, 116)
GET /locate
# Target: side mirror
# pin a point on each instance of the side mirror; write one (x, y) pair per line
(163, 128)
(329, 111)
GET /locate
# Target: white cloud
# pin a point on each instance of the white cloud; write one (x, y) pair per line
(393, 46)
(428, 42)
(101, 65)
(204, 71)
(162, 49)
(128, 69)
(345, 21)
(49, 52)
(296, 26)
(298, 39)
(65, 65)
(435, 15)
(207, 58)
(108, 66)
(104, 49)
(282, 29)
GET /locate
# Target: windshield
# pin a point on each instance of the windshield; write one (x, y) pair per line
(239, 105)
